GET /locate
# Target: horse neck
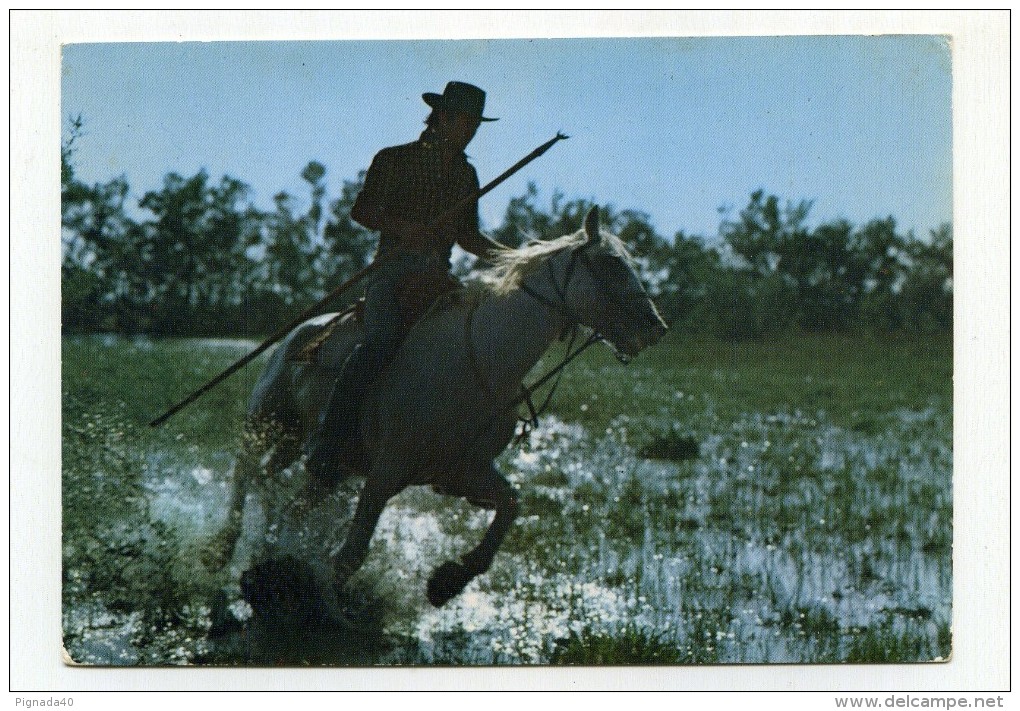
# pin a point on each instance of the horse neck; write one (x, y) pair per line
(511, 332)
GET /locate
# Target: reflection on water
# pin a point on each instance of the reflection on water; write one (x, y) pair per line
(787, 539)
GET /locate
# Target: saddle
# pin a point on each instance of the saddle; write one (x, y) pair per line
(416, 293)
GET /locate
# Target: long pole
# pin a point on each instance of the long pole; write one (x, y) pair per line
(314, 308)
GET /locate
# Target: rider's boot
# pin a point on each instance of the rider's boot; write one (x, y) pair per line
(337, 445)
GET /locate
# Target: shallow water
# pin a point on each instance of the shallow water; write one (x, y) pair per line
(786, 539)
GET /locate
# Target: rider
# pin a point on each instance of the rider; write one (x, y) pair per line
(406, 189)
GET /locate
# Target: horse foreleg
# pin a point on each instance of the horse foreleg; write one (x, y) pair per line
(380, 486)
(489, 490)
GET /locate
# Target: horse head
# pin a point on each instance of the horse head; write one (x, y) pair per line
(601, 289)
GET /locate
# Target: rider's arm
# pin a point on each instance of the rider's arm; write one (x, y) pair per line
(377, 208)
(370, 206)
(468, 236)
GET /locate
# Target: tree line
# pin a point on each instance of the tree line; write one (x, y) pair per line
(202, 260)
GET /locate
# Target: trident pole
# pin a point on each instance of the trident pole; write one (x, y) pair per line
(314, 308)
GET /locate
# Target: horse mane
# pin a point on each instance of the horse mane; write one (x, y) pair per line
(512, 265)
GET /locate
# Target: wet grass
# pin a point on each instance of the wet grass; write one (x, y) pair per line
(786, 501)
(631, 645)
(673, 445)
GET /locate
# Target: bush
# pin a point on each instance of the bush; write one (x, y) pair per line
(747, 306)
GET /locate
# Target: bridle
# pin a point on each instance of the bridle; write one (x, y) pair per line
(561, 290)
(573, 322)
(562, 305)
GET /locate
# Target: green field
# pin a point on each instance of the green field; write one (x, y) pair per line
(779, 501)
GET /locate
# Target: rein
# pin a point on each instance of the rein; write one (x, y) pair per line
(527, 391)
(525, 397)
(531, 422)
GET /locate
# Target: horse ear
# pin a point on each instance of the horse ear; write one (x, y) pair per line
(591, 225)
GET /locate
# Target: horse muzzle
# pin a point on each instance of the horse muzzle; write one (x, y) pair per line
(628, 342)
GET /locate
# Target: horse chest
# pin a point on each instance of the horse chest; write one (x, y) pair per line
(434, 426)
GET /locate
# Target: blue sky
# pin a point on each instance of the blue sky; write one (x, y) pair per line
(675, 127)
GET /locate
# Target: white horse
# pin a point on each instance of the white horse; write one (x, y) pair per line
(443, 409)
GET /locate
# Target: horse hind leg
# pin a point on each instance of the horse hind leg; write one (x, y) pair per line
(314, 492)
(260, 437)
(487, 489)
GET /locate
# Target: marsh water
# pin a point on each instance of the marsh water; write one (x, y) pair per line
(775, 534)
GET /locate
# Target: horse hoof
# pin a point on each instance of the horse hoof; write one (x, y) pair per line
(446, 582)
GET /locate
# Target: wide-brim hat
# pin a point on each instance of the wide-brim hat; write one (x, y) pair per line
(459, 96)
